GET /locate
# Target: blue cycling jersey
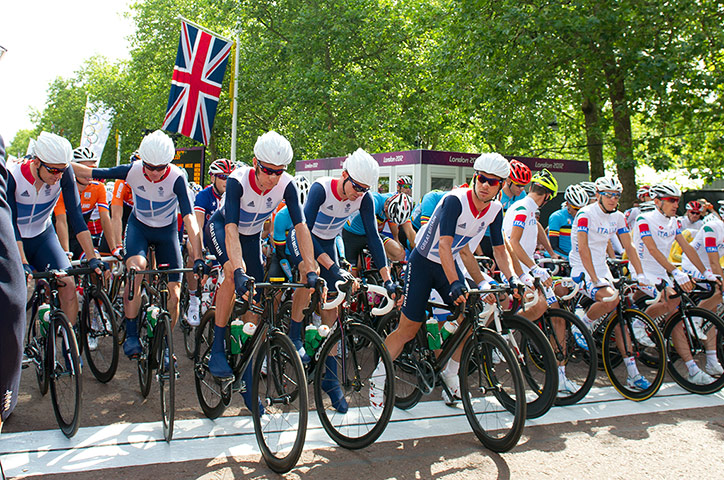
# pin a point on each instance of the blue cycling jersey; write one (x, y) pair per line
(207, 202)
(355, 225)
(422, 213)
(559, 226)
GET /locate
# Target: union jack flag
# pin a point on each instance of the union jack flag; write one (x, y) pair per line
(196, 83)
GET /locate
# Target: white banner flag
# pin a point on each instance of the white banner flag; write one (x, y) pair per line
(96, 127)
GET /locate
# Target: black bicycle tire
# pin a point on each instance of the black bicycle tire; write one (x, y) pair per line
(103, 376)
(166, 378)
(69, 426)
(144, 365)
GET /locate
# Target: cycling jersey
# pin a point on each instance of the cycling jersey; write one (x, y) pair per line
(32, 207)
(600, 227)
(354, 224)
(247, 206)
(422, 212)
(521, 214)
(663, 231)
(709, 238)
(207, 202)
(559, 226)
(282, 225)
(154, 203)
(506, 202)
(329, 211)
(92, 196)
(122, 194)
(631, 215)
(457, 216)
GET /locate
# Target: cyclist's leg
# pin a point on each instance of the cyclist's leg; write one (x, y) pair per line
(393, 249)
(300, 297)
(353, 246)
(168, 252)
(136, 251)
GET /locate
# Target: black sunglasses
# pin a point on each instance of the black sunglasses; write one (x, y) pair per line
(357, 187)
(154, 168)
(270, 171)
(493, 182)
(52, 170)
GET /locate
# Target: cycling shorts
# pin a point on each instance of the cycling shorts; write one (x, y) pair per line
(429, 276)
(168, 251)
(326, 246)
(215, 240)
(44, 251)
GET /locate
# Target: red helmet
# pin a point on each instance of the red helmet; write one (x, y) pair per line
(221, 166)
(693, 206)
(519, 172)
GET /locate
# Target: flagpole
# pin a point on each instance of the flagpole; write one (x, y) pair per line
(203, 28)
(234, 100)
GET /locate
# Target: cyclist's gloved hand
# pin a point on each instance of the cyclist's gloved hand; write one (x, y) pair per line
(241, 282)
(118, 252)
(516, 284)
(391, 288)
(709, 275)
(200, 268)
(527, 280)
(540, 272)
(312, 278)
(28, 269)
(457, 289)
(97, 263)
(680, 277)
(644, 281)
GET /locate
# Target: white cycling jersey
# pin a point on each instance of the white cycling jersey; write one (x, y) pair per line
(709, 238)
(334, 211)
(34, 207)
(663, 231)
(154, 203)
(255, 206)
(600, 227)
(688, 224)
(470, 224)
(522, 214)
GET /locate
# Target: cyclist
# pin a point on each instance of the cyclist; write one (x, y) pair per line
(12, 301)
(643, 196)
(691, 220)
(234, 236)
(159, 188)
(206, 203)
(354, 233)
(33, 188)
(560, 221)
(458, 219)
(331, 201)
(593, 228)
(92, 198)
(423, 211)
(404, 185)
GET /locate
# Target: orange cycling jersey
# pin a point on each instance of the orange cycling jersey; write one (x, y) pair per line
(122, 194)
(94, 194)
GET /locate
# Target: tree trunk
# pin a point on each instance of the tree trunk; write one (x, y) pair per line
(594, 137)
(625, 163)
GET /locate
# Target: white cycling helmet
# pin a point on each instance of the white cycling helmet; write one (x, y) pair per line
(399, 208)
(494, 164)
(157, 149)
(664, 190)
(589, 187)
(303, 186)
(362, 167)
(647, 206)
(84, 154)
(608, 184)
(52, 148)
(576, 196)
(274, 149)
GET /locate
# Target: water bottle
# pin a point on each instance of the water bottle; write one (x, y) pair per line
(448, 329)
(312, 339)
(237, 331)
(286, 268)
(44, 318)
(151, 319)
(433, 334)
(248, 332)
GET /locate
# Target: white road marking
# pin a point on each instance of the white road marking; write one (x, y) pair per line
(124, 444)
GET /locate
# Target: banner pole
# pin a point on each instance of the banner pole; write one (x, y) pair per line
(234, 100)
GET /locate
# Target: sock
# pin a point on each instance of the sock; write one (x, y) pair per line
(246, 394)
(218, 345)
(131, 327)
(295, 330)
(452, 368)
(711, 358)
(561, 372)
(692, 366)
(330, 384)
(587, 320)
(631, 367)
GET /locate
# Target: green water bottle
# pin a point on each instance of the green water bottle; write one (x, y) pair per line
(151, 319)
(433, 334)
(311, 338)
(237, 330)
(44, 318)
(448, 329)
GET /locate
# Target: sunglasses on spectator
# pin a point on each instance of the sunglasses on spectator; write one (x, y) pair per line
(671, 199)
(270, 171)
(493, 182)
(221, 176)
(52, 170)
(611, 194)
(357, 187)
(154, 168)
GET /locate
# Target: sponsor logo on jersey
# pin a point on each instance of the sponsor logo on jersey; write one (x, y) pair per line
(25, 194)
(142, 188)
(250, 204)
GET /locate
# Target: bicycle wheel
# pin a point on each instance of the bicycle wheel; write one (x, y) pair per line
(650, 361)
(537, 363)
(406, 366)
(281, 429)
(166, 373)
(362, 424)
(208, 389)
(489, 373)
(37, 347)
(100, 336)
(64, 373)
(700, 325)
(145, 360)
(575, 349)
